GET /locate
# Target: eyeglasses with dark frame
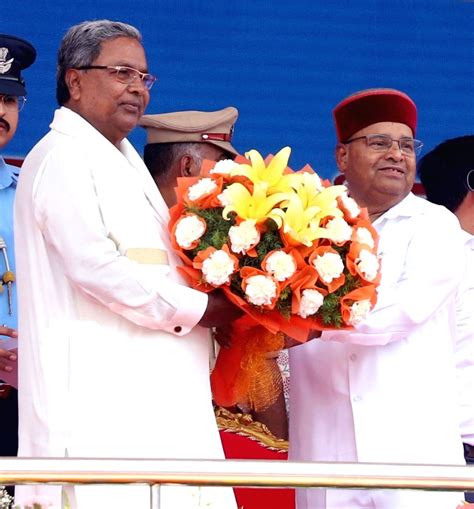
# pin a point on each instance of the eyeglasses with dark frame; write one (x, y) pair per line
(124, 74)
(383, 143)
(13, 102)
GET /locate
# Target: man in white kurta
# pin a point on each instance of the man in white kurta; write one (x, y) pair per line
(113, 363)
(386, 391)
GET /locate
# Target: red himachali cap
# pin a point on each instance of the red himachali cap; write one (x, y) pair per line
(370, 106)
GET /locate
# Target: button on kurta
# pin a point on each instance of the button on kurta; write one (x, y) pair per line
(352, 356)
(178, 329)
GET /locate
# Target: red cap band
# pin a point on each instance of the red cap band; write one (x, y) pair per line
(217, 136)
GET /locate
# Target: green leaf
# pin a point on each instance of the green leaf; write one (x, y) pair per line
(217, 231)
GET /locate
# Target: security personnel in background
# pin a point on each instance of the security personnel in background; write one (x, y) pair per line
(447, 174)
(178, 142)
(15, 55)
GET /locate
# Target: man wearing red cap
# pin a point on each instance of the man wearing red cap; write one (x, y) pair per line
(385, 392)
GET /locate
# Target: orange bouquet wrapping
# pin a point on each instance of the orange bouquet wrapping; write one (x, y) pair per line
(292, 251)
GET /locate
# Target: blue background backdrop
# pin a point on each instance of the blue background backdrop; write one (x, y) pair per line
(284, 64)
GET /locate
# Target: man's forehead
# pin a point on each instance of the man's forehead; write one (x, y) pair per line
(388, 128)
(124, 51)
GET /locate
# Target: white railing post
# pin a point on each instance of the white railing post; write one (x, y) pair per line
(155, 496)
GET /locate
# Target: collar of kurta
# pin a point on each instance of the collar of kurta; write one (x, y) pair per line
(70, 123)
(411, 205)
(8, 174)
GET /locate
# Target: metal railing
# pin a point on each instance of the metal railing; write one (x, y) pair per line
(236, 473)
(239, 473)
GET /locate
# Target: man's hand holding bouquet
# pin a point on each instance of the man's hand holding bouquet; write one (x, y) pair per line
(293, 252)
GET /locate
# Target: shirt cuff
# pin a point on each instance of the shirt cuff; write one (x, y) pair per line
(192, 306)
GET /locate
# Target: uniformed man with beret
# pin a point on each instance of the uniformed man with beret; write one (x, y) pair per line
(177, 143)
(15, 55)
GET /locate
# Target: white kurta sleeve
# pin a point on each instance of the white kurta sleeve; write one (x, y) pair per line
(431, 273)
(68, 214)
(464, 347)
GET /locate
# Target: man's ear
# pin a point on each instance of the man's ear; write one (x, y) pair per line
(73, 82)
(185, 164)
(188, 166)
(341, 154)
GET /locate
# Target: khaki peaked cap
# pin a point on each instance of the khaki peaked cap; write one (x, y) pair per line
(215, 127)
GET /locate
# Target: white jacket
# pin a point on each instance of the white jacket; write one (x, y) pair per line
(112, 362)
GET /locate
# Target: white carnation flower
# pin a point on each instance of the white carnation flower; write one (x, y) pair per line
(201, 188)
(339, 229)
(188, 230)
(224, 198)
(359, 310)
(368, 264)
(243, 236)
(280, 265)
(351, 205)
(260, 290)
(312, 180)
(329, 266)
(224, 167)
(311, 301)
(363, 236)
(217, 268)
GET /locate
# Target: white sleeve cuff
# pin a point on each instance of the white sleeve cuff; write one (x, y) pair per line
(192, 306)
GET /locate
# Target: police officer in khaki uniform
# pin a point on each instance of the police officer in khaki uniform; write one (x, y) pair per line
(177, 143)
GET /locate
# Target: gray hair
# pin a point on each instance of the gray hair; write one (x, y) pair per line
(191, 149)
(160, 157)
(82, 45)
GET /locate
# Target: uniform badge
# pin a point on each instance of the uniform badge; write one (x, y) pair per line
(5, 64)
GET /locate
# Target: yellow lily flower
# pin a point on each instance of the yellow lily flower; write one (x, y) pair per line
(271, 177)
(312, 194)
(255, 207)
(302, 213)
(297, 222)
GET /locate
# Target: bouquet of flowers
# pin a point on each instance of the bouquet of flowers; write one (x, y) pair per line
(292, 251)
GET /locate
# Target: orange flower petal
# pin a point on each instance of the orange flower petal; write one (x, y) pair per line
(208, 200)
(352, 256)
(367, 292)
